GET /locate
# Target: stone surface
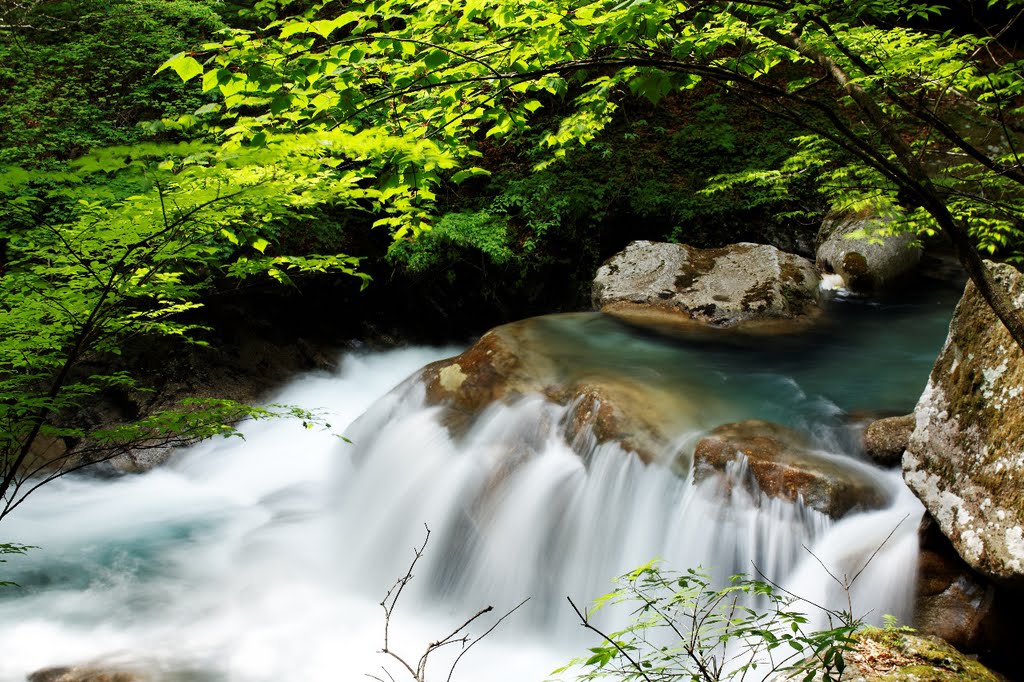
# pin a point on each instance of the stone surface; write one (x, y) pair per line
(676, 288)
(864, 264)
(521, 358)
(895, 655)
(784, 465)
(965, 459)
(640, 418)
(959, 605)
(885, 439)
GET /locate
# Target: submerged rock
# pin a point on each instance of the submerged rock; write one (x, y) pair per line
(885, 439)
(965, 459)
(676, 289)
(864, 264)
(784, 465)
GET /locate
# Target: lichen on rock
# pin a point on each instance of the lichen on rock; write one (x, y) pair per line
(965, 459)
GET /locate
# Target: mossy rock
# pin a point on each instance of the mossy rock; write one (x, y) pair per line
(965, 458)
(897, 655)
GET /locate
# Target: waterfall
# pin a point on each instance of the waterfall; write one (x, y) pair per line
(266, 559)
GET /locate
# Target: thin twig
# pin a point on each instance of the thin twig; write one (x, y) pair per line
(585, 622)
(486, 632)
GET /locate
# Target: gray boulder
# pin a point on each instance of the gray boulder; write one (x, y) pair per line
(864, 264)
(965, 459)
(677, 289)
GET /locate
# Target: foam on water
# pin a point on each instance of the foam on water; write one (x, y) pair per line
(266, 559)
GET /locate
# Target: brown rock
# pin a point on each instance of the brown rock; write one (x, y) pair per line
(606, 403)
(886, 439)
(640, 418)
(960, 605)
(783, 465)
(496, 367)
(965, 459)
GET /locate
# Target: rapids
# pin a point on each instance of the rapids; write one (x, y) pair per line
(266, 558)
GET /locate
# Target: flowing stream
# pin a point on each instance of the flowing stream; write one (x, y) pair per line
(266, 558)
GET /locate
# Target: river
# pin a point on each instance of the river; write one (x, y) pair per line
(267, 558)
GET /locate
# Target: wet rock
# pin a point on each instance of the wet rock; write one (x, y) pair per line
(606, 402)
(965, 459)
(85, 674)
(641, 419)
(784, 465)
(675, 288)
(885, 439)
(864, 264)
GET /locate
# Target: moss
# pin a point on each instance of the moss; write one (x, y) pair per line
(897, 655)
(856, 272)
(977, 332)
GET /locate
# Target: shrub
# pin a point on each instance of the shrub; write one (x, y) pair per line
(683, 627)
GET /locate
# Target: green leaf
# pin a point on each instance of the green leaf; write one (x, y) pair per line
(435, 59)
(469, 173)
(184, 65)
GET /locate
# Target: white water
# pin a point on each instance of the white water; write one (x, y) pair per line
(266, 559)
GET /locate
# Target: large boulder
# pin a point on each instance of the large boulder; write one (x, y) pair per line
(677, 289)
(866, 263)
(522, 358)
(784, 465)
(965, 459)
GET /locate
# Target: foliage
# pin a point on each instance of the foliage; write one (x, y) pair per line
(643, 179)
(480, 231)
(8, 548)
(73, 293)
(105, 246)
(72, 80)
(886, 106)
(683, 627)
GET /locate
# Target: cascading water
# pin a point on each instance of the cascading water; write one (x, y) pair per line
(266, 559)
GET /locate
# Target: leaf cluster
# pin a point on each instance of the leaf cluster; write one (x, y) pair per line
(887, 101)
(121, 268)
